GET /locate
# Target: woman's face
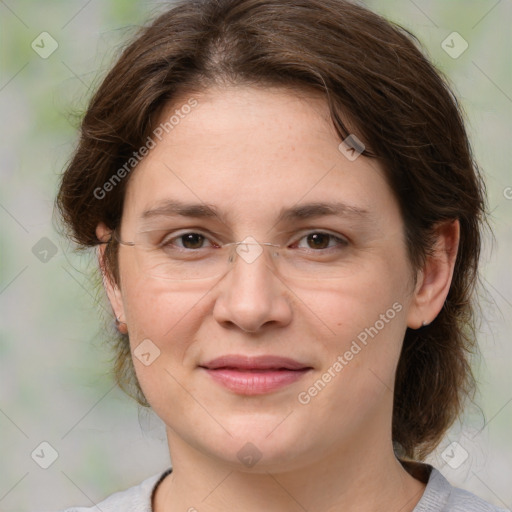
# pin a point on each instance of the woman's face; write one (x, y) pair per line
(253, 154)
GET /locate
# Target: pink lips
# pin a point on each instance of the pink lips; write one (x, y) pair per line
(254, 375)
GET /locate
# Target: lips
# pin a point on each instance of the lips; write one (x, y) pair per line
(254, 363)
(247, 375)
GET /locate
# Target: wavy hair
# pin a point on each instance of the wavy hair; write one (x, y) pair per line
(370, 71)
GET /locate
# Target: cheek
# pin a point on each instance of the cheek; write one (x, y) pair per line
(153, 308)
(348, 306)
(163, 323)
(354, 385)
(161, 318)
(366, 318)
(366, 326)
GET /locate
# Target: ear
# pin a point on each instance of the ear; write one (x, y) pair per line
(113, 290)
(435, 278)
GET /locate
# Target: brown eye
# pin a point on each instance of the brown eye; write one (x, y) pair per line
(190, 241)
(318, 240)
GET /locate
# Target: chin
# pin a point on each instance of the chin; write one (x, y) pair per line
(264, 447)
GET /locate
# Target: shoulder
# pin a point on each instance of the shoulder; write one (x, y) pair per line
(441, 496)
(134, 499)
(461, 500)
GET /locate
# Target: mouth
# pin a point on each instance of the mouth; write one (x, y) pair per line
(254, 375)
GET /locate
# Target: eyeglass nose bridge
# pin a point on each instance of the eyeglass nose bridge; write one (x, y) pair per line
(249, 249)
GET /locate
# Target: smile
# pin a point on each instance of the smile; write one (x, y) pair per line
(255, 382)
(254, 375)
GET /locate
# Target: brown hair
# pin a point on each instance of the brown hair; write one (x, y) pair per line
(370, 71)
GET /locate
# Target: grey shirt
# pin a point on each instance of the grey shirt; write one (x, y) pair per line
(439, 495)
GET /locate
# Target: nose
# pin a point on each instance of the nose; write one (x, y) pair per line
(252, 295)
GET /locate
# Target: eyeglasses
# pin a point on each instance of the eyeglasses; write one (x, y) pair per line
(159, 257)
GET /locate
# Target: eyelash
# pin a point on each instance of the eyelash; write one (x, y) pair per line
(341, 241)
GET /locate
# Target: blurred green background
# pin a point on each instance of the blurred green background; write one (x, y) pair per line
(55, 384)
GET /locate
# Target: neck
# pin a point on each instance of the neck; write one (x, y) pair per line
(349, 478)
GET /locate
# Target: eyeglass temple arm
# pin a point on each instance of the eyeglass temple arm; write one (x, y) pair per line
(117, 239)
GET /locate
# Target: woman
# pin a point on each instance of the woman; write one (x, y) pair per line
(288, 219)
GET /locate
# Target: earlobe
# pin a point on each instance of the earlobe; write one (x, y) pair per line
(111, 288)
(435, 278)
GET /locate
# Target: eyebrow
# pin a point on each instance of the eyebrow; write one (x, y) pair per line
(173, 208)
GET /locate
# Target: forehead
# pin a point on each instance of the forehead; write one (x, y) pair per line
(253, 151)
